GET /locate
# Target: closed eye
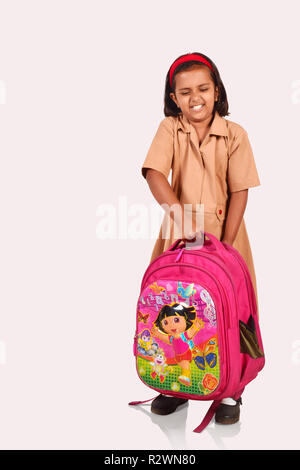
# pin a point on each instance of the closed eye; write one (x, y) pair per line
(187, 92)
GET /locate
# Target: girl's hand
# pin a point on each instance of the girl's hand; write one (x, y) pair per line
(198, 324)
(154, 331)
(190, 231)
(228, 241)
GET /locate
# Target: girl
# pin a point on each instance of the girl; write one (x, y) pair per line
(212, 164)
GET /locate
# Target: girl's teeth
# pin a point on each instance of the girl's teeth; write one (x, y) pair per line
(198, 107)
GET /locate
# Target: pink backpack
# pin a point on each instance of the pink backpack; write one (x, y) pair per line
(197, 332)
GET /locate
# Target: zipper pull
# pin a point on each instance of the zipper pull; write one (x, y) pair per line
(179, 255)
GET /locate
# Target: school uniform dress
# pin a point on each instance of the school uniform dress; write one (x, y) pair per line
(205, 174)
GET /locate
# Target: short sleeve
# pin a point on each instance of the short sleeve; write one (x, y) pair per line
(160, 153)
(242, 172)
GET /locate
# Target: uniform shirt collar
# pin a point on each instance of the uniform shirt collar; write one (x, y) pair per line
(218, 126)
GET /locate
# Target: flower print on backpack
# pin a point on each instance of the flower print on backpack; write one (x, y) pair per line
(177, 324)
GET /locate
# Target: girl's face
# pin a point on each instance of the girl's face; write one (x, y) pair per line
(174, 325)
(195, 93)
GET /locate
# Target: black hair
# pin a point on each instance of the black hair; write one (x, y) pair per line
(189, 314)
(170, 107)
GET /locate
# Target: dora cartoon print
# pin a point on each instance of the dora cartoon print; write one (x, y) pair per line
(176, 324)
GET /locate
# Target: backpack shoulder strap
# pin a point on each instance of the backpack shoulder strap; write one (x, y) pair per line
(208, 417)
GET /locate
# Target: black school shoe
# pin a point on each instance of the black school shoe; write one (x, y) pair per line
(228, 414)
(163, 405)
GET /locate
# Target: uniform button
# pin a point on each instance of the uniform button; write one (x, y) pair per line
(220, 211)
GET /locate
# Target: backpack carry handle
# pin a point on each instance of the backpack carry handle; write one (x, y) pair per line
(215, 242)
(218, 245)
(175, 245)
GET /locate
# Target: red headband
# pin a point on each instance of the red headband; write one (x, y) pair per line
(186, 58)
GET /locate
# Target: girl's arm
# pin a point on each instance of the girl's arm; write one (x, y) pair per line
(236, 209)
(155, 332)
(164, 194)
(198, 325)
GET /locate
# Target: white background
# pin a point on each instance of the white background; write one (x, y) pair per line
(81, 93)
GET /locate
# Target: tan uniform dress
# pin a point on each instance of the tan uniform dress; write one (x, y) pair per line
(224, 163)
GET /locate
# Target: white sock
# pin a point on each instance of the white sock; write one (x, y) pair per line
(228, 401)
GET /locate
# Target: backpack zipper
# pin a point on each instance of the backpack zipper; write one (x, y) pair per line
(250, 297)
(205, 255)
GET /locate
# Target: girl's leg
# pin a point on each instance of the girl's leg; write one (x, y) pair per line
(185, 376)
(229, 401)
(228, 412)
(165, 405)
